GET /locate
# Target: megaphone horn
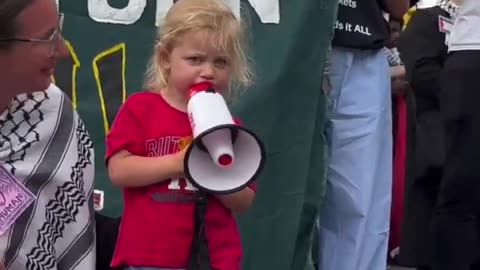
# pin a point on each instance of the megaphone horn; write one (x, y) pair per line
(223, 156)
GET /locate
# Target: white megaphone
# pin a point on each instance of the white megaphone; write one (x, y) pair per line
(223, 157)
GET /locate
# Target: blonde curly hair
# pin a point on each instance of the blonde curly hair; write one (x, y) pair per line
(212, 16)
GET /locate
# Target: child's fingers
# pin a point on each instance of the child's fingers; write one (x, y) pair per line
(184, 142)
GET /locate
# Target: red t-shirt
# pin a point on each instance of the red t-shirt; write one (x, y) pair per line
(158, 220)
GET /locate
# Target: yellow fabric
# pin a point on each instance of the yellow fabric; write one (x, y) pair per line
(408, 16)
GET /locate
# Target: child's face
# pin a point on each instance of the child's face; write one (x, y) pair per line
(195, 59)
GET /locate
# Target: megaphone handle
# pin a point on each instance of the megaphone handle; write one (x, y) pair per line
(199, 255)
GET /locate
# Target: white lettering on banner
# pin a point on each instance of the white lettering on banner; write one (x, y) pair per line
(101, 11)
(268, 11)
(164, 5)
(162, 8)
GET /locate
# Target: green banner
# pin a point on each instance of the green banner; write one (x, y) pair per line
(110, 43)
(287, 109)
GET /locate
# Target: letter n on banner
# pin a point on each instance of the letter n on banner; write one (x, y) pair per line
(109, 71)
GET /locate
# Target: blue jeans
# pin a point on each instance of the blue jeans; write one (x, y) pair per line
(354, 220)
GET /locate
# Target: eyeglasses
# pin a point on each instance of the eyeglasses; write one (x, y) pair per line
(51, 42)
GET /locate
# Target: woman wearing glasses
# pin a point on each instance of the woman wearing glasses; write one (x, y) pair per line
(46, 155)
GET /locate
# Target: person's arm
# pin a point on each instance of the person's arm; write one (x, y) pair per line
(397, 72)
(238, 202)
(127, 170)
(396, 8)
(127, 162)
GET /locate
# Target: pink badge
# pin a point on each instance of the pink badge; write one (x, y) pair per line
(14, 199)
(98, 199)
(444, 24)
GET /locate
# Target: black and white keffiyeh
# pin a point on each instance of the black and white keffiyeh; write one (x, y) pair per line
(45, 145)
(393, 57)
(448, 6)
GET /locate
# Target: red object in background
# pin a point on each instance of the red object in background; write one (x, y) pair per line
(399, 171)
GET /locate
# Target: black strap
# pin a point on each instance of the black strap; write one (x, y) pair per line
(199, 256)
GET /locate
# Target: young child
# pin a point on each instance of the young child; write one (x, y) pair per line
(200, 40)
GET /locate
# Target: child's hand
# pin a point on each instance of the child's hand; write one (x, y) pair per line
(180, 156)
(183, 143)
(397, 72)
